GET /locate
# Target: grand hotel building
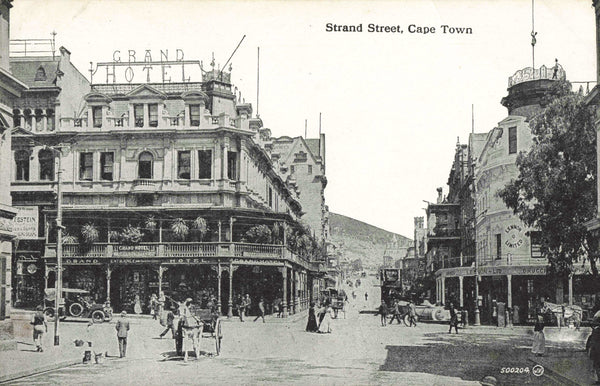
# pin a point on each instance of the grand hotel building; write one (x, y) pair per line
(165, 186)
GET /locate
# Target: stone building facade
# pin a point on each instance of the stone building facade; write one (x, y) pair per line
(10, 89)
(166, 187)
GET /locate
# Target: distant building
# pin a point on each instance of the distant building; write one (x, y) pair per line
(302, 162)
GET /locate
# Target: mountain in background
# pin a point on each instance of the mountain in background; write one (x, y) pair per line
(359, 240)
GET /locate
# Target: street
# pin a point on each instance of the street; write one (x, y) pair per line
(358, 351)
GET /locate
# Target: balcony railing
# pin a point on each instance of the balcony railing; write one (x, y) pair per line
(258, 250)
(141, 250)
(191, 249)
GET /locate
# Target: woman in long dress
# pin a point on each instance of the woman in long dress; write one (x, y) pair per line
(325, 326)
(539, 340)
(312, 326)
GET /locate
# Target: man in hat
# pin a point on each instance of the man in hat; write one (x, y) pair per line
(593, 346)
(122, 327)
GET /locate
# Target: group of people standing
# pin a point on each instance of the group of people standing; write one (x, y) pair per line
(319, 318)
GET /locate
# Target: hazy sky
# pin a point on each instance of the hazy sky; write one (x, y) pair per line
(393, 104)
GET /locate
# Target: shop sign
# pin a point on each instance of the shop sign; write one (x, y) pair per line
(24, 257)
(390, 275)
(81, 261)
(25, 223)
(133, 261)
(189, 260)
(165, 284)
(514, 239)
(135, 250)
(522, 270)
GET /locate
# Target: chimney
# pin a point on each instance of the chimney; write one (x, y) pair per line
(440, 199)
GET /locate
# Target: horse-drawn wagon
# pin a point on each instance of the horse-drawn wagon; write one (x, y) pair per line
(200, 323)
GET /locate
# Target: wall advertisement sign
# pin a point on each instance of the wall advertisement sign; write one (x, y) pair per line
(26, 222)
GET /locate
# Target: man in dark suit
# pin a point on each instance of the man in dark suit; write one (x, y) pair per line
(122, 328)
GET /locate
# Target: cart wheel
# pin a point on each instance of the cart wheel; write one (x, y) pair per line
(406, 320)
(218, 336)
(49, 313)
(75, 309)
(98, 316)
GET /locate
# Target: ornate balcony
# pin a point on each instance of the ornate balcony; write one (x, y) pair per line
(169, 250)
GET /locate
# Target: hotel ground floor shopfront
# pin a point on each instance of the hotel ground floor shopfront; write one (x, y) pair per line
(518, 289)
(127, 276)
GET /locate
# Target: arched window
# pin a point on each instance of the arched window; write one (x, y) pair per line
(22, 163)
(46, 165)
(28, 119)
(39, 125)
(16, 118)
(50, 118)
(145, 165)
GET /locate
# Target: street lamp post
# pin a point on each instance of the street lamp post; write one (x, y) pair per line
(58, 284)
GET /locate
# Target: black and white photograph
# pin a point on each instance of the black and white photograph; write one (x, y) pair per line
(269, 192)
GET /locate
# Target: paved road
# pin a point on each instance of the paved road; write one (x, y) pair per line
(358, 352)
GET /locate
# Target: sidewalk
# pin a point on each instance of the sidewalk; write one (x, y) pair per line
(26, 361)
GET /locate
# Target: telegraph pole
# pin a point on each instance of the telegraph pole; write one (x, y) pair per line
(59, 227)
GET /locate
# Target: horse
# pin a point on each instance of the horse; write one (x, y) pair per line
(191, 329)
(564, 312)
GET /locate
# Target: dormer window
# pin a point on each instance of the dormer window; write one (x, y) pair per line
(195, 115)
(40, 74)
(153, 115)
(138, 115)
(97, 116)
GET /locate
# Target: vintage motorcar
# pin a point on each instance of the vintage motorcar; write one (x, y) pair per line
(75, 303)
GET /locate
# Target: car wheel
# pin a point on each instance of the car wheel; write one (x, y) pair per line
(98, 316)
(75, 309)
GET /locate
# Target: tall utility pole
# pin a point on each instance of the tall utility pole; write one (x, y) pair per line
(59, 227)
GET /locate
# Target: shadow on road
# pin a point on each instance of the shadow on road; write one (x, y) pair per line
(466, 357)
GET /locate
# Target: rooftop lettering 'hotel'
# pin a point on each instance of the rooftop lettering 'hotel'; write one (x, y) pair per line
(167, 183)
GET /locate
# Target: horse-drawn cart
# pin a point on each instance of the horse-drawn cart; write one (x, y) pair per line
(203, 323)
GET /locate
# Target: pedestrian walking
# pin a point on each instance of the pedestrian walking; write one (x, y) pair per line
(261, 310)
(311, 325)
(170, 324)
(412, 314)
(383, 311)
(247, 305)
(396, 312)
(453, 319)
(539, 339)
(277, 307)
(240, 307)
(366, 296)
(122, 327)
(154, 306)
(39, 327)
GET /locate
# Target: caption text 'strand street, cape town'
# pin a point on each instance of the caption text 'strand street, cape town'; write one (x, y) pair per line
(412, 28)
